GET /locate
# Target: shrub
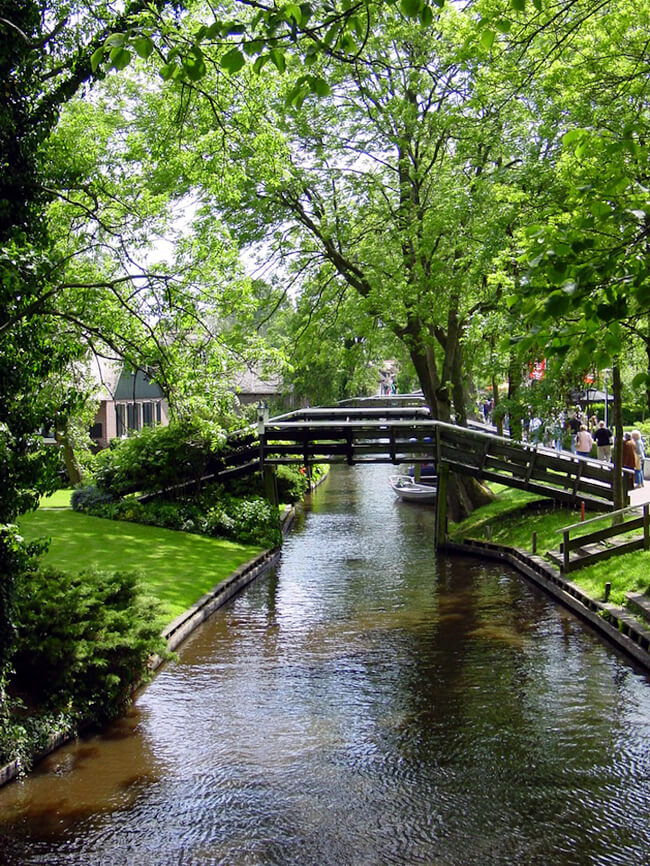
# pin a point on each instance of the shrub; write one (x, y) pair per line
(156, 458)
(248, 521)
(218, 522)
(84, 640)
(89, 498)
(256, 521)
(292, 483)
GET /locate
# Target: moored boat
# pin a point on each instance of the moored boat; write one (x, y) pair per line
(412, 491)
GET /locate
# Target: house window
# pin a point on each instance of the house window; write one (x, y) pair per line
(96, 431)
(151, 414)
(120, 418)
(132, 416)
(147, 414)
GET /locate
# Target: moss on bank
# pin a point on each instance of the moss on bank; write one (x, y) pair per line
(511, 520)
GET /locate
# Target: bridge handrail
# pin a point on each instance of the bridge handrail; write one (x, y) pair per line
(607, 516)
(472, 430)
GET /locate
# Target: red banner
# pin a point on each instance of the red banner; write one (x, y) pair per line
(538, 369)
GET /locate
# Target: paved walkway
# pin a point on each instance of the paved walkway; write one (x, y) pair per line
(642, 495)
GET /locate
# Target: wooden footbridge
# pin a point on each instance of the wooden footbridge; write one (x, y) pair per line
(407, 434)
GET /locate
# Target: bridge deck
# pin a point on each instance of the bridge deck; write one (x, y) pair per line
(382, 435)
(396, 435)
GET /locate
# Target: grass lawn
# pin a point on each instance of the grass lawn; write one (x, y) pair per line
(176, 567)
(509, 525)
(58, 499)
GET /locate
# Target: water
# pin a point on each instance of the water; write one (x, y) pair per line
(369, 703)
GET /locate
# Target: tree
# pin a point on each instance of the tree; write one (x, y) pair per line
(398, 184)
(49, 52)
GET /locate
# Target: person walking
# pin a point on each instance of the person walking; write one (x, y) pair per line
(639, 458)
(603, 439)
(629, 461)
(584, 442)
(575, 422)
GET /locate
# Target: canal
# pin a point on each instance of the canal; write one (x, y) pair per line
(368, 703)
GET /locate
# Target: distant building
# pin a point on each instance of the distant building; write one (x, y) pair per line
(251, 387)
(129, 401)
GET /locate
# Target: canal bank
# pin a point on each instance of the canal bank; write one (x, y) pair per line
(178, 630)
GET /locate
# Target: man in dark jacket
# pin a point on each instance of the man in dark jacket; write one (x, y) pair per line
(603, 439)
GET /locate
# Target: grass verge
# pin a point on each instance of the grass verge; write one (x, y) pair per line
(175, 567)
(506, 521)
(58, 499)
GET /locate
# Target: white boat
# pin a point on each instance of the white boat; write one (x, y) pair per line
(412, 491)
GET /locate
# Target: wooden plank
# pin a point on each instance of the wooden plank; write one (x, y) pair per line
(494, 463)
(606, 553)
(486, 449)
(584, 486)
(607, 532)
(565, 551)
(533, 487)
(578, 476)
(505, 474)
(321, 413)
(441, 504)
(517, 454)
(566, 463)
(531, 465)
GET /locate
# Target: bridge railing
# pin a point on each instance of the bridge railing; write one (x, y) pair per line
(324, 435)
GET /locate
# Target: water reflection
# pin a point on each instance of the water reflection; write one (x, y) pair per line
(369, 703)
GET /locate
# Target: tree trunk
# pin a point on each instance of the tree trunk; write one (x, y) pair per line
(619, 491)
(72, 465)
(514, 383)
(464, 493)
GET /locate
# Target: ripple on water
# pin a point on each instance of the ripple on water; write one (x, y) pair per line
(369, 703)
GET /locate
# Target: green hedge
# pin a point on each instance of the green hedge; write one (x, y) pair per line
(84, 639)
(83, 642)
(249, 520)
(157, 457)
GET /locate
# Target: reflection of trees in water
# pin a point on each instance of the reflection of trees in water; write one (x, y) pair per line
(94, 775)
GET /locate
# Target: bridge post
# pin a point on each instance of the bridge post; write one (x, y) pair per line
(441, 504)
(270, 485)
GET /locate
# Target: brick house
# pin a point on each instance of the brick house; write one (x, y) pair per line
(129, 401)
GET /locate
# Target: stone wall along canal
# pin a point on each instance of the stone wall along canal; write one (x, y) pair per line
(368, 703)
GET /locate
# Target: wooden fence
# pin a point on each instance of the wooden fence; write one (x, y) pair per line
(601, 544)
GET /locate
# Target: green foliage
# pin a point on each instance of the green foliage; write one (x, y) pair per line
(156, 458)
(292, 483)
(89, 497)
(181, 515)
(246, 519)
(24, 736)
(84, 640)
(15, 557)
(258, 36)
(586, 249)
(255, 521)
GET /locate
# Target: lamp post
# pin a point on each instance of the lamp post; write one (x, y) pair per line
(606, 373)
(262, 416)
